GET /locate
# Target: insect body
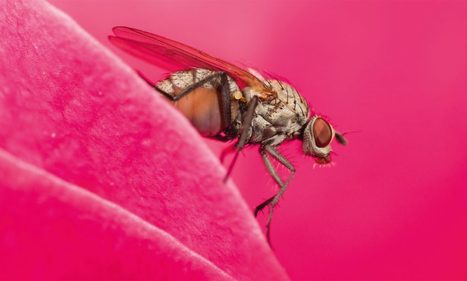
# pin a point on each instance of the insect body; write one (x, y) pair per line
(226, 102)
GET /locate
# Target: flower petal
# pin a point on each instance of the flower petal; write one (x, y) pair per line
(51, 229)
(70, 107)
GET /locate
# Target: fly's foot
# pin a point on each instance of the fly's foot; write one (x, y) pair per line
(271, 202)
(268, 224)
(263, 205)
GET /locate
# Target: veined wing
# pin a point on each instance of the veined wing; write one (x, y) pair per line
(165, 52)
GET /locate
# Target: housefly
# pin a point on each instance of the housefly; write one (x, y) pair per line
(226, 102)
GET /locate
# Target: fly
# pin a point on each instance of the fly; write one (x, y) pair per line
(226, 102)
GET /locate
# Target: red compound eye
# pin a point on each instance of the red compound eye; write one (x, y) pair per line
(322, 132)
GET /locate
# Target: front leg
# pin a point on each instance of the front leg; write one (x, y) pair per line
(272, 202)
(246, 125)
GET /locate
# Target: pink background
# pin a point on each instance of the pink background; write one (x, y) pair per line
(395, 205)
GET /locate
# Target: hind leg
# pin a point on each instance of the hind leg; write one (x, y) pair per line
(246, 125)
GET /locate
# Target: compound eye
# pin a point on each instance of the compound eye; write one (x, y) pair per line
(322, 132)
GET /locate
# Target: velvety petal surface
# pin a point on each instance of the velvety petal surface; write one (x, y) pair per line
(51, 229)
(73, 111)
(393, 74)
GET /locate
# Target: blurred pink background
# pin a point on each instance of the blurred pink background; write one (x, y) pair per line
(395, 205)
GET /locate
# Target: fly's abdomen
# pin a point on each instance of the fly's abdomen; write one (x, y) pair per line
(202, 106)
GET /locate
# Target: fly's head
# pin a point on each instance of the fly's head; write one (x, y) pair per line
(317, 139)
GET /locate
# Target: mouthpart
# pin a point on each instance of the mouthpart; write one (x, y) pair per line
(322, 159)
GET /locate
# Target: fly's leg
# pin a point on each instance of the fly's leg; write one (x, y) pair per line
(279, 157)
(272, 202)
(263, 205)
(246, 125)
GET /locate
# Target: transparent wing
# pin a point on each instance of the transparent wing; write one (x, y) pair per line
(171, 54)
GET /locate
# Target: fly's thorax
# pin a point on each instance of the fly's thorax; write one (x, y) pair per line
(285, 95)
(290, 97)
(279, 118)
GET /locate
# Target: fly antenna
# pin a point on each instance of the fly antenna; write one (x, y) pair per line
(340, 137)
(350, 132)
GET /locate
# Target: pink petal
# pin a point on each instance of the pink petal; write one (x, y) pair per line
(52, 229)
(71, 108)
(393, 72)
